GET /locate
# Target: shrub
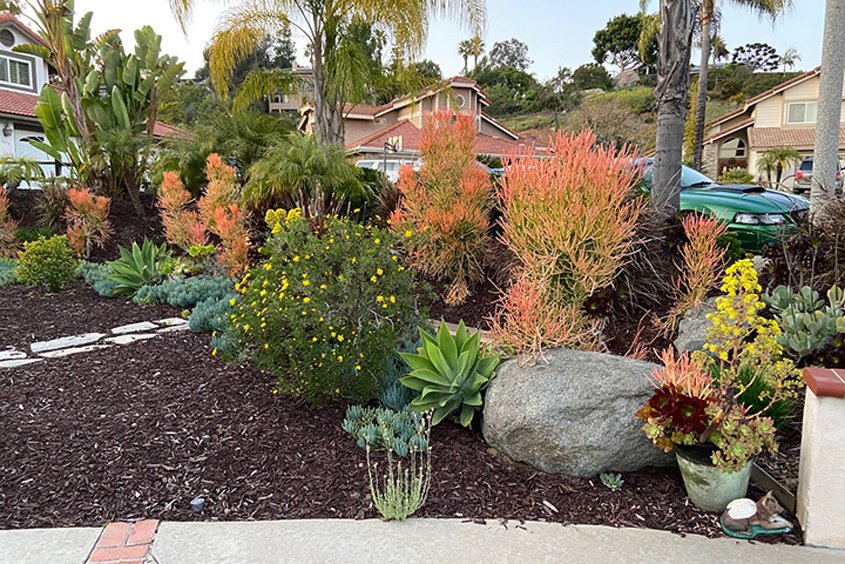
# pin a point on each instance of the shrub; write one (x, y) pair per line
(27, 234)
(88, 220)
(47, 262)
(211, 315)
(183, 227)
(450, 372)
(8, 275)
(8, 242)
(808, 323)
(325, 311)
(97, 275)
(185, 292)
(445, 208)
(736, 176)
(52, 205)
(401, 431)
(140, 266)
(702, 261)
(570, 221)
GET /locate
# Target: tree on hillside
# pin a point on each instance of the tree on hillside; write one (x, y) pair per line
(718, 49)
(476, 49)
(511, 91)
(757, 57)
(671, 96)
(828, 126)
(465, 51)
(590, 76)
(339, 64)
(512, 53)
(618, 43)
(790, 58)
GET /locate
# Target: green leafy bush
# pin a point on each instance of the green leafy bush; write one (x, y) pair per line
(27, 234)
(97, 275)
(8, 275)
(324, 311)
(185, 292)
(401, 431)
(47, 262)
(736, 176)
(138, 267)
(450, 373)
(807, 322)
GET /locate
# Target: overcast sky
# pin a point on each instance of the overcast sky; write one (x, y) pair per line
(558, 32)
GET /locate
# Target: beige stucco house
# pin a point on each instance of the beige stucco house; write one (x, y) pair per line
(399, 122)
(784, 116)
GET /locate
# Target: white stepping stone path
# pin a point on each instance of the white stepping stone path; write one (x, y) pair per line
(90, 342)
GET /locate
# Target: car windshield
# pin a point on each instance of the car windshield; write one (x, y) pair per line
(689, 178)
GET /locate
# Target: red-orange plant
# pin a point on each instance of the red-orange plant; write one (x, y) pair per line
(88, 220)
(230, 226)
(702, 262)
(569, 219)
(444, 210)
(183, 226)
(8, 244)
(221, 191)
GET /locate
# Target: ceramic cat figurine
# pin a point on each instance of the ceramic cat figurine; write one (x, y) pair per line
(743, 514)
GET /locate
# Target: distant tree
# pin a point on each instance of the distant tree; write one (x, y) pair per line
(511, 91)
(476, 49)
(188, 103)
(426, 70)
(718, 49)
(777, 160)
(613, 122)
(790, 58)
(619, 43)
(465, 51)
(512, 53)
(757, 57)
(591, 75)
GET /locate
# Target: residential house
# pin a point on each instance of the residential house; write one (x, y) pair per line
(293, 102)
(21, 79)
(395, 127)
(784, 116)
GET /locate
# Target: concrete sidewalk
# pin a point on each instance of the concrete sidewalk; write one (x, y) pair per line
(414, 541)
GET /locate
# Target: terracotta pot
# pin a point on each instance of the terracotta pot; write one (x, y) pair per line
(709, 487)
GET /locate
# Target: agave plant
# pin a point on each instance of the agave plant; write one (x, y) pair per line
(449, 372)
(138, 267)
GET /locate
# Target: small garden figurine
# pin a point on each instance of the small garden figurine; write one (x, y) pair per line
(744, 519)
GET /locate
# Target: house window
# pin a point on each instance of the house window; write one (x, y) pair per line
(460, 100)
(732, 149)
(14, 72)
(802, 112)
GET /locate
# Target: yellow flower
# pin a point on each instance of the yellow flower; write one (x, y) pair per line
(379, 271)
(266, 345)
(379, 299)
(373, 279)
(408, 233)
(214, 352)
(246, 326)
(340, 338)
(306, 299)
(296, 258)
(340, 358)
(232, 301)
(305, 282)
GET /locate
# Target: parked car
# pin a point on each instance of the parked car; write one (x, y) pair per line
(755, 215)
(804, 177)
(390, 168)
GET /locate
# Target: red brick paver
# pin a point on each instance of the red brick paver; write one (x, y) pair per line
(124, 543)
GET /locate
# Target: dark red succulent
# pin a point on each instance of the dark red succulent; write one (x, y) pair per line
(684, 414)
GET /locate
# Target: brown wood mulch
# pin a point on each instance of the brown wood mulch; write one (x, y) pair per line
(140, 430)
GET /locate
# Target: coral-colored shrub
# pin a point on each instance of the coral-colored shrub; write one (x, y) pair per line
(221, 191)
(703, 259)
(88, 220)
(230, 226)
(569, 220)
(444, 210)
(183, 227)
(8, 243)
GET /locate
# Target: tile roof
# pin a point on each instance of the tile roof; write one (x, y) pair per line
(17, 103)
(411, 134)
(797, 137)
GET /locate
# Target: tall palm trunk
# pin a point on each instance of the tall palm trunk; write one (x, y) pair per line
(706, 11)
(675, 41)
(826, 154)
(327, 115)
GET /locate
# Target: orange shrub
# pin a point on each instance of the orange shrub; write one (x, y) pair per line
(703, 260)
(569, 220)
(221, 191)
(444, 211)
(230, 226)
(8, 245)
(183, 227)
(88, 220)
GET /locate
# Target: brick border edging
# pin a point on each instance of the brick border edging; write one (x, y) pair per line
(124, 543)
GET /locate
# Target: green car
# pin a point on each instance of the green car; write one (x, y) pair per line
(755, 215)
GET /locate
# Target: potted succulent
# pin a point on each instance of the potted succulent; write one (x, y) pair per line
(718, 409)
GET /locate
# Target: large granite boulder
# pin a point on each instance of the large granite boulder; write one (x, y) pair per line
(572, 414)
(692, 330)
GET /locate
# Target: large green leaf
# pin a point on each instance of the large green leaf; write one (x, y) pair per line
(447, 347)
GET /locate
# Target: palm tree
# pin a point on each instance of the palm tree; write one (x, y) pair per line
(476, 49)
(777, 160)
(465, 51)
(718, 49)
(826, 154)
(339, 65)
(789, 58)
(706, 14)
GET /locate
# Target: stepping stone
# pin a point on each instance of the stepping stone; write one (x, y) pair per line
(74, 350)
(12, 354)
(65, 342)
(127, 339)
(134, 328)
(183, 327)
(171, 322)
(18, 362)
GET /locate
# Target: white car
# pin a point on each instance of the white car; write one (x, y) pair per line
(390, 168)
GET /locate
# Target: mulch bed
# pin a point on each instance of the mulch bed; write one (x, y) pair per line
(140, 430)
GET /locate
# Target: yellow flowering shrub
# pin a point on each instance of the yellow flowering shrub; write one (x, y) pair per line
(324, 312)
